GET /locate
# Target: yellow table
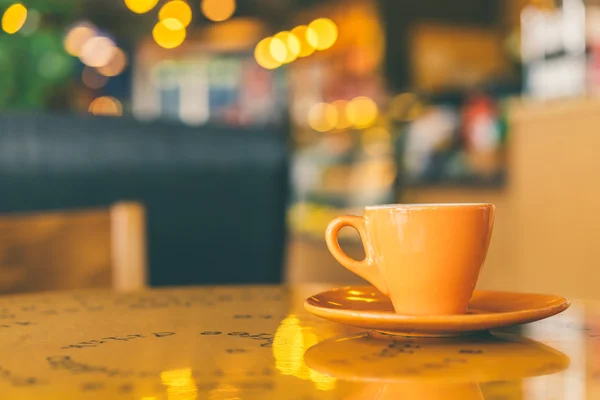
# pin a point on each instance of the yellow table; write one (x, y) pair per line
(225, 343)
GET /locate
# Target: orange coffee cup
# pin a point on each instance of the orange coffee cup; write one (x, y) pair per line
(425, 257)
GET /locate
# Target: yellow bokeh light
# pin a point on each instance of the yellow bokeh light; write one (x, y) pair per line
(342, 119)
(180, 384)
(92, 79)
(106, 106)
(169, 33)
(306, 49)
(14, 18)
(290, 343)
(322, 33)
(116, 65)
(292, 45)
(362, 112)
(322, 117)
(262, 54)
(97, 52)
(278, 50)
(140, 6)
(77, 37)
(218, 10)
(177, 9)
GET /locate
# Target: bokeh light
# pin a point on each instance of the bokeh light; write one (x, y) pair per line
(116, 65)
(169, 33)
(262, 54)
(342, 118)
(140, 6)
(362, 112)
(278, 50)
(97, 52)
(218, 10)
(322, 33)
(180, 384)
(92, 79)
(322, 117)
(292, 45)
(77, 37)
(14, 18)
(306, 49)
(177, 9)
(106, 106)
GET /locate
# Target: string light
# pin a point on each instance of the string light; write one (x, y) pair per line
(342, 119)
(306, 49)
(177, 9)
(106, 106)
(116, 65)
(262, 54)
(218, 10)
(362, 111)
(140, 6)
(292, 45)
(77, 37)
(97, 52)
(14, 18)
(169, 33)
(322, 117)
(278, 50)
(322, 33)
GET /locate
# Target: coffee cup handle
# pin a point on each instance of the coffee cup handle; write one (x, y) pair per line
(365, 268)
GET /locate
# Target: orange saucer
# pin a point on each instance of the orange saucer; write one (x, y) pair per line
(366, 307)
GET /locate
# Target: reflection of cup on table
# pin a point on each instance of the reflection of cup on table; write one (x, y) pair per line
(425, 257)
(432, 369)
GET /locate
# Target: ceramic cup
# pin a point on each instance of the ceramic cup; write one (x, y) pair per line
(425, 257)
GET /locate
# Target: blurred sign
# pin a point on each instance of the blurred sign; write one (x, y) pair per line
(553, 46)
(226, 89)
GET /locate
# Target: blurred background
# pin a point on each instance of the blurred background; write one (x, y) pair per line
(242, 127)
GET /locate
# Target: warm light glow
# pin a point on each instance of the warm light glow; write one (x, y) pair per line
(362, 112)
(290, 343)
(322, 33)
(116, 65)
(177, 9)
(169, 33)
(77, 37)
(342, 119)
(322, 117)
(218, 10)
(14, 18)
(106, 106)
(92, 79)
(140, 6)
(180, 384)
(292, 45)
(97, 52)
(306, 49)
(278, 50)
(262, 54)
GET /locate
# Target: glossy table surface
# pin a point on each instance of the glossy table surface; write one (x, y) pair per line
(257, 342)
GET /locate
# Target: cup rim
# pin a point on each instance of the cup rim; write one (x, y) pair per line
(426, 205)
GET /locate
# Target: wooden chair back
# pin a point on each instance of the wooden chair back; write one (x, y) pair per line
(78, 249)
